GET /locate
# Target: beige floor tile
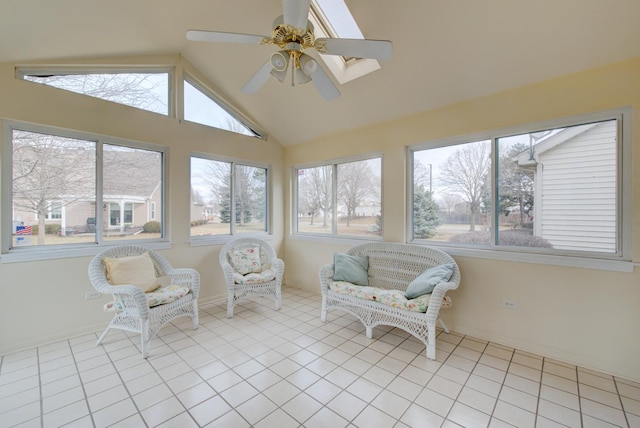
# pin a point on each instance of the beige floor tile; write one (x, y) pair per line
(287, 368)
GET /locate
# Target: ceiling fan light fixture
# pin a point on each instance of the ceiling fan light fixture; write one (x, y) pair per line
(301, 77)
(308, 65)
(280, 60)
(280, 75)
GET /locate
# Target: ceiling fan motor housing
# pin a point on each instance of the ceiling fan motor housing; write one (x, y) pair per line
(283, 35)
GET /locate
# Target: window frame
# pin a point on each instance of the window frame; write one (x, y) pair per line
(619, 261)
(205, 240)
(334, 236)
(19, 254)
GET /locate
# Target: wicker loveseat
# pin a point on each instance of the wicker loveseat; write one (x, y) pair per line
(392, 266)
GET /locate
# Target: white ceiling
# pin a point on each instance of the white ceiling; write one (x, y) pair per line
(445, 51)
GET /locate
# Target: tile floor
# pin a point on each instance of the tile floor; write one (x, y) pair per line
(288, 369)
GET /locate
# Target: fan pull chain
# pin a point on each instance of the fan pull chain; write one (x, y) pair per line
(292, 61)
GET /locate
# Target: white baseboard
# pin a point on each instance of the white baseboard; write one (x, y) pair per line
(549, 352)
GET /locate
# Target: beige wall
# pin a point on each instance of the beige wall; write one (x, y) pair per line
(41, 301)
(584, 316)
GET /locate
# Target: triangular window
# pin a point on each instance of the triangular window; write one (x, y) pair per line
(140, 89)
(201, 107)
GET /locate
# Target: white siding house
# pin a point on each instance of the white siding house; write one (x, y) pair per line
(575, 187)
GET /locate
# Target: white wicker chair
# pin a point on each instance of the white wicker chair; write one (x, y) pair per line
(239, 292)
(393, 266)
(135, 315)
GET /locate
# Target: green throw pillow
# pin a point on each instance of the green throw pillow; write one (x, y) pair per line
(351, 269)
(427, 280)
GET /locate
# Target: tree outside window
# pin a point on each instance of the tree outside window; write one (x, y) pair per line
(227, 198)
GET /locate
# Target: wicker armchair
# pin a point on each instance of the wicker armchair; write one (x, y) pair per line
(133, 312)
(266, 279)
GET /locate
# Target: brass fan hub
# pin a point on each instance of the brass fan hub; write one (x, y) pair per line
(283, 35)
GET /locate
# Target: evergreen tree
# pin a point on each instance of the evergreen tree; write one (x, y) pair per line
(426, 214)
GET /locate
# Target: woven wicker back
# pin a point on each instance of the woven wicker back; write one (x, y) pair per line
(393, 265)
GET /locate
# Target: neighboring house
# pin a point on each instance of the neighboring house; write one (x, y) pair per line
(575, 187)
(199, 210)
(132, 197)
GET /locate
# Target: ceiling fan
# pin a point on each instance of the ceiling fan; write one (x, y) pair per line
(293, 34)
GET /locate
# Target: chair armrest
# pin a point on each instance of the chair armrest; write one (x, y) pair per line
(186, 277)
(277, 265)
(326, 275)
(130, 295)
(436, 299)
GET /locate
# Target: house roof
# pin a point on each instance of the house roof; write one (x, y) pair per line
(137, 174)
(444, 51)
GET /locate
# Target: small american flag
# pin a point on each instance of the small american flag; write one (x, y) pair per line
(23, 230)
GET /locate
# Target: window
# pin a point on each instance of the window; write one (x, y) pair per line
(201, 107)
(64, 184)
(342, 198)
(53, 211)
(227, 197)
(552, 190)
(147, 90)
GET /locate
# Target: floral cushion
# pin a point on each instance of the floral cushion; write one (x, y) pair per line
(254, 278)
(394, 298)
(161, 296)
(246, 260)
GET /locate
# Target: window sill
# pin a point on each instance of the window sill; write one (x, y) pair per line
(31, 254)
(543, 259)
(332, 239)
(203, 241)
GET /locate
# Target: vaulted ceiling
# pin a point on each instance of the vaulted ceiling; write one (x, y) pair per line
(444, 51)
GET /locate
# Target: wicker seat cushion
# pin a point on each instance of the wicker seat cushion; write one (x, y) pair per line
(254, 278)
(161, 296)
(394, 298)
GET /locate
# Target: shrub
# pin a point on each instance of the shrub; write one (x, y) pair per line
(198, 222)
(152, 227)
(513, 238)
(49, 229)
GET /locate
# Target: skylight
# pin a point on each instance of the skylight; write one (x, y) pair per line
(332, 18)
(339, 17)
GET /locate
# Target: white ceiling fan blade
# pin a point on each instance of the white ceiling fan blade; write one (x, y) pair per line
(258, 79)
(356, 48)
(219, 36)
(296, 12)
(324, 85)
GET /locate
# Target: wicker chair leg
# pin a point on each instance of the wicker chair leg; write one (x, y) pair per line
(369, 332)
(103, 335)
(443, 325)
(278, 301)
(431, 343)
(230, 306)
(146, 338)
(195, 319)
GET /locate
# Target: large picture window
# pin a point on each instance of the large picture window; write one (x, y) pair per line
(70, 188)
(227, 197)
(555, 190)
(340, 198)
